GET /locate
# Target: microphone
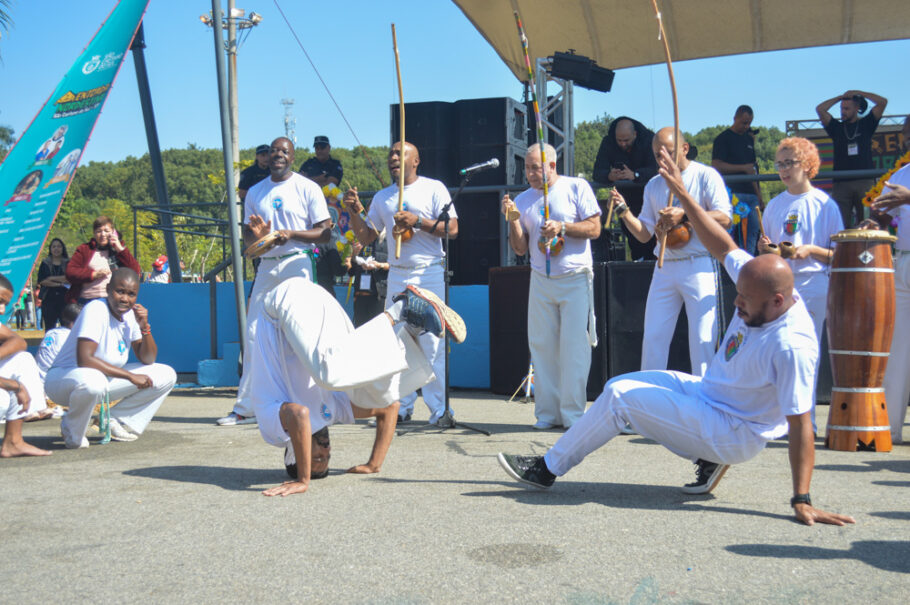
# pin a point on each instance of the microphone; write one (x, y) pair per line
(488, 165)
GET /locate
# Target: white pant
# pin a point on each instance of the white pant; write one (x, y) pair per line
(307, 348)
(22, 368)
(691, 282)
(897, 374)
(663, 406)
(271, 273)
(428, 278)
(558, 316)
(83, 388)
(813, 289)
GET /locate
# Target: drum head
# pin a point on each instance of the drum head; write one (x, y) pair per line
(262, 245)
(863, 235)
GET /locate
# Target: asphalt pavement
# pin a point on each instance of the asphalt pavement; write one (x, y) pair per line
(177, 517)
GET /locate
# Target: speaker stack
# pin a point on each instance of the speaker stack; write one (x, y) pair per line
(451, 136)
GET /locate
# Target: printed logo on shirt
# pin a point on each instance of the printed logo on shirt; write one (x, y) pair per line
(48, 341)
(791, 225)
(121, 347)
(277, 203)
(733, 344)
(326, 412)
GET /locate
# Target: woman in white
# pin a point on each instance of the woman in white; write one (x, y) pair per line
(807, 217)
(93, 363)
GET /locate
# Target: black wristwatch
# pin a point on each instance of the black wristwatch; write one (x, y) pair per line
(800, 499)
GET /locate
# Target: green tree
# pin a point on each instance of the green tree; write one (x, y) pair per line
(588, 136)
(6, 140)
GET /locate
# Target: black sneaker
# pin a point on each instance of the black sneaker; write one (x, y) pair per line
(527, 469)
(428, 312)
(707, 476)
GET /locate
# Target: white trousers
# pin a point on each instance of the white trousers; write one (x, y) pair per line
(271, 273)
(307, 347)
(813, 289)
(83, 388)
(558, 317)
(663, 406)
(429, 278)
(22, 368)
(691, 282)
(897, 374)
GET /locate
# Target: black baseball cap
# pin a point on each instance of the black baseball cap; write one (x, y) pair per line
(263, 149)
(321, 140)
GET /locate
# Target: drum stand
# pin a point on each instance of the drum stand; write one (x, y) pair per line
(447, 420)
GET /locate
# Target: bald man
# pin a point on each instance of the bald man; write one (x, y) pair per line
(688, 277)
(758, 386)
(295, 207)
(625, 160)
(561, 299)
(422, 256)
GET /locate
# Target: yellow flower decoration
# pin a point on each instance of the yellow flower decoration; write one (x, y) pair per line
(332, 191)
(880, 184)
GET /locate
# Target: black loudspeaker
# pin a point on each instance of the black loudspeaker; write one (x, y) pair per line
(494, 121)
(431, 127)
(509, 353)
(626, 294)
(600, 367)
(470, 260)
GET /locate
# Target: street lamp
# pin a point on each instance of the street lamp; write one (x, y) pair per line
(234, 20)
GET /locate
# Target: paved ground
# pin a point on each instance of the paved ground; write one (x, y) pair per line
(177, 517)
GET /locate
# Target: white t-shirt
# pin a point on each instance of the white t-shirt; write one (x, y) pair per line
(706, 187)
(96, 323)
(571, 201)
(902, 177)
(808, 218)
(764, 374)
(50, 348)
(296, 204)
(424, 197)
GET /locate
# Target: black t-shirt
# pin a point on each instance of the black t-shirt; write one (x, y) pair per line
(252, 175)
(735, 149)
(313, 167)
(855, 138)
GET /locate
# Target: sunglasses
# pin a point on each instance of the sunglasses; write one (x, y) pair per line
(785, 165)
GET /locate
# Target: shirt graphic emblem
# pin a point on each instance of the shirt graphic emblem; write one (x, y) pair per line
(121, 347)
(733, 344)
(326, 412)
(277, 203)
(791, 225)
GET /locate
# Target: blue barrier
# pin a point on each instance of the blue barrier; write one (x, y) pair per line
(179, 315)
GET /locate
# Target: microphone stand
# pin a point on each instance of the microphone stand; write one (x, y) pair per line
(447, 420)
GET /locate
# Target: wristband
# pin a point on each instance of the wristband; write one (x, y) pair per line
(147, 330)
(562, 232)
(621, 209)
(418, 224)
(800, 499)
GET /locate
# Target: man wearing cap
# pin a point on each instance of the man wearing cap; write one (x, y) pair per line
(255, 173)
(322, 168)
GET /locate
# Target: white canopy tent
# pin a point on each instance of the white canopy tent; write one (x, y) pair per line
(623, 33)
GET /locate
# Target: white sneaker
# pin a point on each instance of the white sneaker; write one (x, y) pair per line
(542, 425)
(119, 433)
(76, 446)
(235, 418)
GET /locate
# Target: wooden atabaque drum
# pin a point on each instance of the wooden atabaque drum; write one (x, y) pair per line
(860, 324)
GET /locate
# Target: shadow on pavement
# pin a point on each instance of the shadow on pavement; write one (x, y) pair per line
(236, 479)
(886, 555)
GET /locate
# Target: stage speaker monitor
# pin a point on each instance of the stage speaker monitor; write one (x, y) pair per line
(471, 259)
(509, 353)
(493, 121)
(581, 70)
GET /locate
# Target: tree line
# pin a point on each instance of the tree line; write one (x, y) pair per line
(196, 175)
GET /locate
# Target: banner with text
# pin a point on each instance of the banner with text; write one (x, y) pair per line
(36, 174)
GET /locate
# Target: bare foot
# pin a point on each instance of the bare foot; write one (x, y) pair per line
(362, 469)
(286, 489)
(22, 449)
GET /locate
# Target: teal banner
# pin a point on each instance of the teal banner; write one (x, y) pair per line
(36, 174)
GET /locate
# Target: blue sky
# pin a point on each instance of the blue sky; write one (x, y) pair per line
(443, 59)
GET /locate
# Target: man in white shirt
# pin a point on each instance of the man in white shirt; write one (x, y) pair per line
(53, 339)
(561, 297)
(757, 388)
(20, 385)
(295, 207)
(895, 200)
(92, 366)
(688, 276)
(422, 256)
(312, 368)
